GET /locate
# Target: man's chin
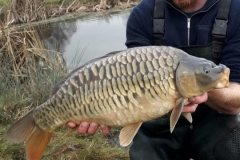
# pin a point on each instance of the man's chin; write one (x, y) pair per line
(183, 3)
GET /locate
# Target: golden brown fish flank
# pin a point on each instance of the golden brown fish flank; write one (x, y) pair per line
(123, 89)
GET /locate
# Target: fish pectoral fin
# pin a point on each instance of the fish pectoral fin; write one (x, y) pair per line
(188, 116)
(176, 112)
(128, 133)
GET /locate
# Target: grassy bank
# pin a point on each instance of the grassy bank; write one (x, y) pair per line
(25, 11)
(71, 147)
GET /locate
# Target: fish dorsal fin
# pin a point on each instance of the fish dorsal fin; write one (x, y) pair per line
(188, 116)
(128, 133)
(56, 88)
(176, 112)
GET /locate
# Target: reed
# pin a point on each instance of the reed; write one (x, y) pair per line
(26, 68)
(23, 11)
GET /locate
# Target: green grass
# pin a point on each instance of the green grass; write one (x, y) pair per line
(4, 1)
(74, 146)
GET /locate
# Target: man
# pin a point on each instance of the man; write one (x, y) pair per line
(215, 132)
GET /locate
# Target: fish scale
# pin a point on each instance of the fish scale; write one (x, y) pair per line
(121, 89)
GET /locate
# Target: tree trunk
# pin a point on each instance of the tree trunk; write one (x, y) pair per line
(103, 3)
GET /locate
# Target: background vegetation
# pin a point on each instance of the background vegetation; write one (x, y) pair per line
(24, 11)
(28, 73)
(55, 1)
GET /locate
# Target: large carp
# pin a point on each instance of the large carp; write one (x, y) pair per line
(122, 89)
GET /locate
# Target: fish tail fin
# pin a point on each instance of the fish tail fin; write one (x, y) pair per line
(37, 143)
(26, 129)
(22, 129)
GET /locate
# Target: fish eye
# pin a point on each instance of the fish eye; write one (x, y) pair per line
(207, 71)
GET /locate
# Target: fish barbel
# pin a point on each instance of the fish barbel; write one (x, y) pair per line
(123, 89)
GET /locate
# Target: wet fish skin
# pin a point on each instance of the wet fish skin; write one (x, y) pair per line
(124, 89)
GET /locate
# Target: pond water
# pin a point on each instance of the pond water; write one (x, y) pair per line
(89, 37)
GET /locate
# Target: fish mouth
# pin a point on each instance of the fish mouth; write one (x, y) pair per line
(219, 69)
(224, 79)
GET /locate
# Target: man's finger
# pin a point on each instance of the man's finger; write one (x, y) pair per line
(190, 108)
(105, 130)
(71, 124)
(83, 128)
(199, 99)
(92, 128)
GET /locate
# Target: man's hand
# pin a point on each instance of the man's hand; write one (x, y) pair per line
(90, 128)
(194, 102)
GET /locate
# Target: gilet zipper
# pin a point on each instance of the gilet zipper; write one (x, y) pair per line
(189, 18)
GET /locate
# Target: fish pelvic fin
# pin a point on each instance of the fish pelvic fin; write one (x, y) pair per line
(128, 133)
(188, 116)
(176, 112)
(25, 129)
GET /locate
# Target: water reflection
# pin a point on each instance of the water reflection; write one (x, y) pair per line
(95, 35)
(56, 36)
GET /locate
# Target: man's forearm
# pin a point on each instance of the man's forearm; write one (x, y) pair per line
(225, 100)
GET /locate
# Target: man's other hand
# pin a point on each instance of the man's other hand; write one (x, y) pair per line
(90, 128)
(194, 102)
